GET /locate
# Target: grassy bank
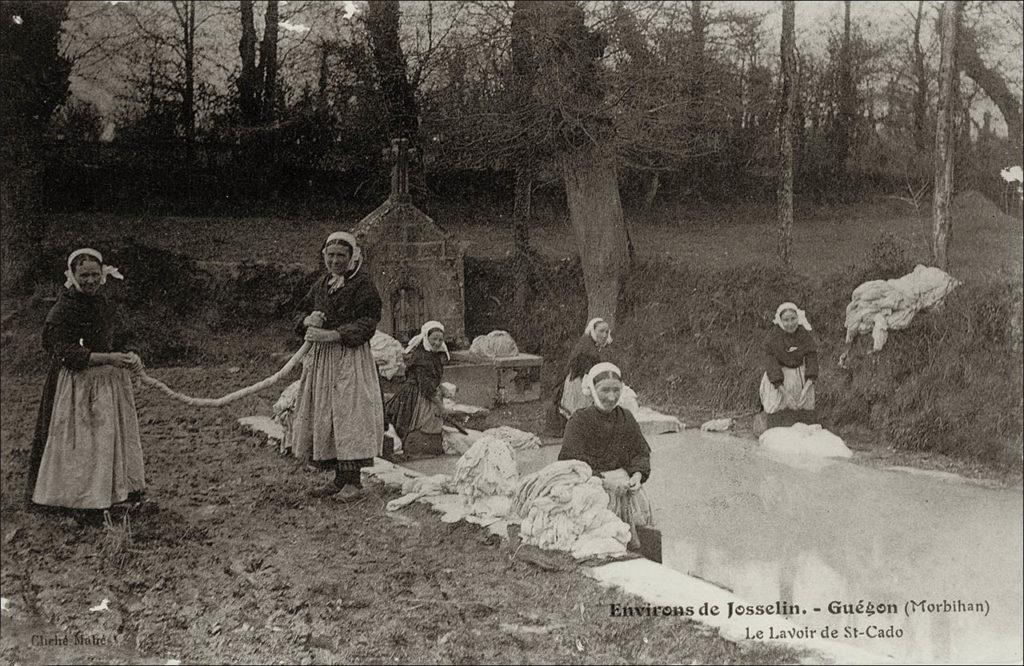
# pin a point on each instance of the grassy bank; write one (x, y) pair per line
(949, 384)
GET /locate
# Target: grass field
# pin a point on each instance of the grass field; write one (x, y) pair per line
(985, 243)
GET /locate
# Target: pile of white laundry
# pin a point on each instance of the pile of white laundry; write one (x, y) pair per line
(565, 507)
(481, 490)
(387, 354)
(879, 306)
(804, 440)
(518, 440)
(496, 344)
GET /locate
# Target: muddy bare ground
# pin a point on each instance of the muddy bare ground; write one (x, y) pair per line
(239, 566)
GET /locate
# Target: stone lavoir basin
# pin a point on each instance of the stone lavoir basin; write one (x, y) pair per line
(938, 559)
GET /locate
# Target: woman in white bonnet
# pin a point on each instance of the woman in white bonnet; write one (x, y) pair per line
(86, 452)
(588, 351)
(416, 410)
(791, 368)
(608, 438)
(339, 414)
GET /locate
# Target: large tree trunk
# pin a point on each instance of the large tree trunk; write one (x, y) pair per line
(921, 79)
(247, 95)
(785, 201)
(268, 63)
(993, 83)
(595, 211)
(944, 135)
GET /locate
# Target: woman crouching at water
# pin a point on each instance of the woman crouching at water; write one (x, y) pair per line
(608, 438)
(791, 366)
(588, 351)
(417, 408)
(86, 452)
(339, 413)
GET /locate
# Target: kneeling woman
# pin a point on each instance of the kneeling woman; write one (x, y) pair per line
(417, 408)
(608, 438)
(588, 352)
(339, 415)
(791, 366)
(86, 452)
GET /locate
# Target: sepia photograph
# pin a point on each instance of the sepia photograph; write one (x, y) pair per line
(511, 332)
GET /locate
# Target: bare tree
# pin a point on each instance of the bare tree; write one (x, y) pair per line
(248, 99)
(847, 100)
(788, 101)
(921, 82)
(524, 14)
(267, 70)
(942, 221)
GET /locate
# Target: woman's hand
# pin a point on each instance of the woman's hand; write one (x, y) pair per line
(615, 481)
(119, 359)
(635, 481)
(315, 319)
(809, 383)
(316, 334)
(135, 363)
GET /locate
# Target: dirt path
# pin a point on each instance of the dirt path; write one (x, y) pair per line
(238, 566)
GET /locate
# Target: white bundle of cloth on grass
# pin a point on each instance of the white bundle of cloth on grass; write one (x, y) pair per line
(518, 440)
(421, 486)
(496, 344)
(879, 306)
(479, 492)
(387, 354)
(455, 442)
(458, 442)
(804, 440)
(565, 507)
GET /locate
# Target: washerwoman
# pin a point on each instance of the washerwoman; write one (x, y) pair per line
(339, 415)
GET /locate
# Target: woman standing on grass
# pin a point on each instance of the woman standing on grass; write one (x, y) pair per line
(339, 416)
(417, 408)
(607, 437)
(791, 366)
(588, 352)
(86, 453)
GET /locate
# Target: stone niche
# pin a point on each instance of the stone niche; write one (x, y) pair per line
(417, 266)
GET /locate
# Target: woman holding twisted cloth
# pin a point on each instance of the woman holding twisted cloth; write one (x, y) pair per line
(339, 415)
(86, 452)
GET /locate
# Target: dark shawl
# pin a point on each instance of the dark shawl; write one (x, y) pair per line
(77, 325)
(790, 350)
(423, 373)
(585, 355)
(607, 441)
(353, 310)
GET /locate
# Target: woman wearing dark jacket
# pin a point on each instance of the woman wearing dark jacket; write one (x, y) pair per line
(339, 415)
(587, 352)
(417, 408)
(608, 438)
(86, 452)
(791, 368)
